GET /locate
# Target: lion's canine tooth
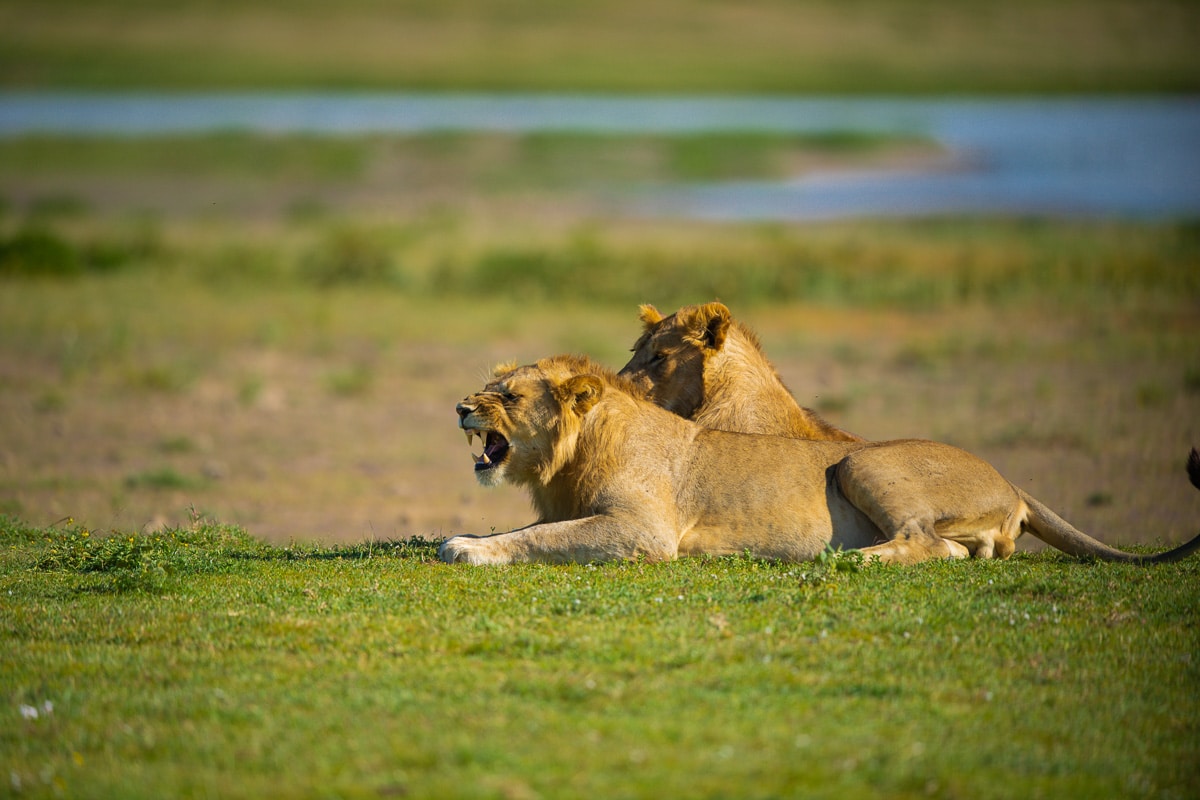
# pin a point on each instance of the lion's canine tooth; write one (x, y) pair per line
(484, 458)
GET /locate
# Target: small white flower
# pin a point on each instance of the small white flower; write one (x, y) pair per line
(28, 712)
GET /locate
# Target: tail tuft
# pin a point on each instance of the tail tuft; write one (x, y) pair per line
(1193, 468)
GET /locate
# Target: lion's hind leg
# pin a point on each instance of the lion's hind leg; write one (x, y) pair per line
(928, 501)
(899, 511)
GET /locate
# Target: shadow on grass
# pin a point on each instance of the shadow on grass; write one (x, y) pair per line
(415, 547)
(116, 562)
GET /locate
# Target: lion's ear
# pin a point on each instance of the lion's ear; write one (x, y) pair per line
(503, 368)
(649, 315)
(707, 325)
(580, 392)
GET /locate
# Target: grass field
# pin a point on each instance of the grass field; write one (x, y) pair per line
(200, 662)
(764, 46)
(229, 363)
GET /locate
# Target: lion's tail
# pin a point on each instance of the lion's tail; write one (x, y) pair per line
(1057, 532)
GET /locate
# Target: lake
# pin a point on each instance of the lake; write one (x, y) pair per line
(1133, 157)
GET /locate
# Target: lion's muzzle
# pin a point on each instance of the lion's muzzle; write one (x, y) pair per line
(495, 446)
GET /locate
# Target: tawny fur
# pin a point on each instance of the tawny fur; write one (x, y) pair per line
(702, 364)
(613, 476)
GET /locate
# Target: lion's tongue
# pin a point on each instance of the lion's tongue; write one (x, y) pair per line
(495, 446)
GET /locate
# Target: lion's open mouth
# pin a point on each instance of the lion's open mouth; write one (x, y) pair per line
(495, 449)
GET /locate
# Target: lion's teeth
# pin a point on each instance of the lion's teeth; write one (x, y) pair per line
(484, 458)
(470, 437)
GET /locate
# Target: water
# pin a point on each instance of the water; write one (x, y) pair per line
(1093, 157)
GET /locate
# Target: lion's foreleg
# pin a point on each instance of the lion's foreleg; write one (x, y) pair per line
(597, 538)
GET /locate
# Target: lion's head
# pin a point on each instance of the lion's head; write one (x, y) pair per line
(668, 360)
(702, 364)
(528, 418)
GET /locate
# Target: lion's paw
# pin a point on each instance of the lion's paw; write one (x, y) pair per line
(468, 549)
(998, 546)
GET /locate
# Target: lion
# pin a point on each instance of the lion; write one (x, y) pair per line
(612, 476)
(702, 364)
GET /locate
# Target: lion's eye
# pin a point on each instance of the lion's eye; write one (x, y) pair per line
(509, 397)
(659, 356)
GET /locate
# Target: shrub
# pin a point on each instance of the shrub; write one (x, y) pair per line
(38, 252)
(349, 257)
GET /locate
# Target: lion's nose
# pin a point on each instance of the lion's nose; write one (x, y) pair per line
(463, 410)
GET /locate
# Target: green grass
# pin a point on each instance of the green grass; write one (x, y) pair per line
(1036, 262)
(920, 266)
(489, 161)
(768, 46)
(198, 661)
(160, 478)
(228, 154)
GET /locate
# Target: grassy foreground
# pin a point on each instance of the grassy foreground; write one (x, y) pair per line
(200, 662)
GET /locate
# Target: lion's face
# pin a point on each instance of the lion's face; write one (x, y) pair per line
(669, 359)
(526, 420)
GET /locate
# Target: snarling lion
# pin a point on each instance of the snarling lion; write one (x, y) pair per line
(613, 476)
(702, 364)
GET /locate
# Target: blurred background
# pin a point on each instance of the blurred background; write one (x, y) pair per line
(253, 252)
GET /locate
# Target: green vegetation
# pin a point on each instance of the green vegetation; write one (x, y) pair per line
(489, 162)
(198, 661)
(921, 266)
(37, 250)
(1043, 261)
(463, 215)
(768, 46)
